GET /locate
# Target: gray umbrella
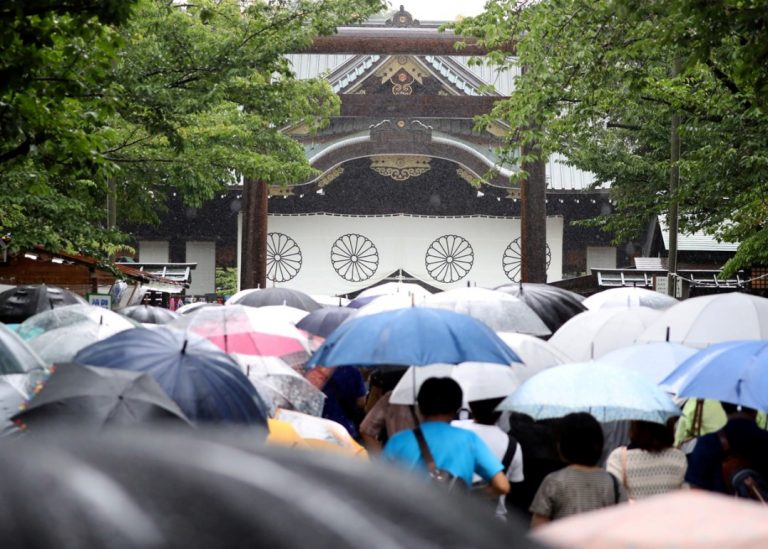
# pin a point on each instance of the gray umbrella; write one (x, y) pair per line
(499, 311)
(276, 296)
(149, 314)
(94, 397)
(131, 489)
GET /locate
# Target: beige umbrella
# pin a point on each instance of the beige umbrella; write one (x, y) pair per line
(681, 519)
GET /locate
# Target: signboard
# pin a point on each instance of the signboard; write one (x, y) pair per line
(100, 300)
(661, 284)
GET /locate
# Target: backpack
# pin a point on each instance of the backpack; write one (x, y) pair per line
(741, 479)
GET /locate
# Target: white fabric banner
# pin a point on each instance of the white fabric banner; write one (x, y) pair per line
(337, 254)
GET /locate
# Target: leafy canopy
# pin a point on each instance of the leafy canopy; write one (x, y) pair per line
(597, 86)
(137, 99)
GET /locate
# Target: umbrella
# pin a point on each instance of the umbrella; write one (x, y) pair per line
(73, 314)
(154, 488)
(629, 297)
(732, 371)
(330, 300)
(321, 433)
(592, 334)
(478, 381)
(190, 308)
(323, 321)
(256, 297)
(360, 302)
(553, 305)
(388, 302)
(205, 382)
(684, 519)
(281, 313)
(702, 321)
(62, 344)
(536, 354)
(16, 356)
(390, 288)
(654, 360)
(149, 314)
(241, 329)
(21, 302)
(94, 397)
(607, 392)
(415, 336)
(500, 311)
(287, 388)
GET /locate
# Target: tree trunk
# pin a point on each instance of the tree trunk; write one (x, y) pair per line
(253, 271)
(533, 223)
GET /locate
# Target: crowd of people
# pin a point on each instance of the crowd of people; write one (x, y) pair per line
(547, 469)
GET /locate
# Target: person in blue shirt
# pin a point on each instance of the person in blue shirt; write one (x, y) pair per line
(459, 451)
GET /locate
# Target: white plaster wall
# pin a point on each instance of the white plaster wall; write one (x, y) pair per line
(204, 275)
(153, 251)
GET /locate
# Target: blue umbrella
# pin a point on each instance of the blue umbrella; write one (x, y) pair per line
(654, 360)
(609, 393)
(414, 336)
(324, 321)
(732, 371)
(203, 380)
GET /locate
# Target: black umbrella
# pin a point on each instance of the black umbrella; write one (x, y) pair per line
(555, 306)
(127, 488)
(325, 320)
(279, 296)
(88, 396)
(21, 302)
(149, 314)
(203, 380)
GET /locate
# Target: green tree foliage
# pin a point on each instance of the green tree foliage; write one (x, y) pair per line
(598, 87)
(134, 101)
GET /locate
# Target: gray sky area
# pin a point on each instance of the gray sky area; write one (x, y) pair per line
(439, 10)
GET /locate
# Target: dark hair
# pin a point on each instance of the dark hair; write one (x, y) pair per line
(438, 396)
(580, 439)
(484, 411)
(651, 437)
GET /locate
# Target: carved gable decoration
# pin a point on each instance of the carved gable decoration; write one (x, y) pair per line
(401, 75)
(402, 19)
(401, 132)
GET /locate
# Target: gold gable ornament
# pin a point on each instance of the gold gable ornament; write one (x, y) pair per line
(400, 168)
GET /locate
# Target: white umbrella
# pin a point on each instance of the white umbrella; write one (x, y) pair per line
(702, 321)
(287, 388)
(536, 354)
(629, 297)
(391, 288)
(330, 300)
(389, 302)
(592, 334)
(281, 313)
(654, 360)
(478, 380)
(499, 311)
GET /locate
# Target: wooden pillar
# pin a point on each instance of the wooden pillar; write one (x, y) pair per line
(253, 270)
(533, 223)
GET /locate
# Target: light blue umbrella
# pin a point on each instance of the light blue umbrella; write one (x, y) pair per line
(654, 360)
(732, 371)
(414, 336)
(609, 393)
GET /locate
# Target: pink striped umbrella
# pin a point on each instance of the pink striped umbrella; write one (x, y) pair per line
(240, 329)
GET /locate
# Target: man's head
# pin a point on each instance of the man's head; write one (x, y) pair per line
(439, 396)
(484, 411)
